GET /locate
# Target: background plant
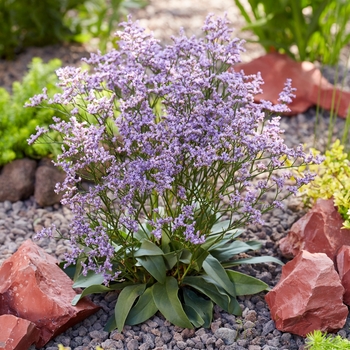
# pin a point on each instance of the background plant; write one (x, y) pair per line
(332, 180)
(321, 341)
(182, 158)
(25, 23)
(303, 29)
(18, 123)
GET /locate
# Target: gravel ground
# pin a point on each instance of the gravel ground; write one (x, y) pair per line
(254, 330)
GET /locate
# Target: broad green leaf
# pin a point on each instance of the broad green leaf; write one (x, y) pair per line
(110, 325)
(125, 301)
(220, 227)
(155, 266)
(244, 284)
(186, 256)
(198, 257)
(148, 248)
(165, 297)
(90, 279)
(170, 260)
(203, 307)
(143, 309)
(233, 306)
(193, 316)
(214, 269)
(210, 290)
(228, 251)
(98, 288)
(257, 260)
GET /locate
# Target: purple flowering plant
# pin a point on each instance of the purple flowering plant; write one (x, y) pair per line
(180, 159)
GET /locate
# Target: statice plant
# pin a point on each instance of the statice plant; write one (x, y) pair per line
(180, 159)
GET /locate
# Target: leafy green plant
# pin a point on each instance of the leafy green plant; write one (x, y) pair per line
(332, 180)
(182, 159)
(25, 23)
(321, 341)
(18, 123)
(304, 29)
(98, 18)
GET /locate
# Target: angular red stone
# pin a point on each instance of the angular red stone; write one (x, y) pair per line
(319, 231)
(312, 87)
(343, 266)
(33, 287)
(17, 333)
(308, 296)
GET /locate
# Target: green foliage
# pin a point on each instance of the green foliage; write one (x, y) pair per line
(304, 29)
(98, 19)
(25, 23)
(178, 284)
(332, 180)
(18, 123)
(321, 341)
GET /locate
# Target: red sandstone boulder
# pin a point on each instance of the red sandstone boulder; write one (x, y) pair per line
(17, 333)
(46, 177)
(17, 180)
(343, 265)
(312, 87)
(319, 231)
(33, 287)
(308, 297)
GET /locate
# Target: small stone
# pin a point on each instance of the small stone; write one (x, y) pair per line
(33, 287)
(319, 231)
(227, 335)
(17, 333)
(343, 265)
(308, 296)
(17, 180)
(46, 178)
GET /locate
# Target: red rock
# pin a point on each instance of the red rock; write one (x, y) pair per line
(343, 266)
(17, 333)
(312, 87)
(33, 287)
(17, 180)
(46, 177)
(319, 231)
(308, 296)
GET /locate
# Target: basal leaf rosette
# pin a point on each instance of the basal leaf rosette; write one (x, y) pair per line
(179, 159)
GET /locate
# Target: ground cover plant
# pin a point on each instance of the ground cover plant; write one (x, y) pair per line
(181, 159)
(332, 180)
(18, 123)
(321, 341)
(305, 30)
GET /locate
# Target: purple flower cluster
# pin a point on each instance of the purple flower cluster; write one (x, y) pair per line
(166, 134)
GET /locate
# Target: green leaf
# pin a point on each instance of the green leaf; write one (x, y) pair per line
(170, 260)
(90, 290)
(198, 257)
(203, 307)
(210, 290)
(214, 269)
(186, 256)
(193, 316)
(256, 260)
(111, 324)
(125, 301)
(165, 297)
(230, 249)
(90, 279)
(148, 248)
(244, 284)
(143, 309)
(155, 266)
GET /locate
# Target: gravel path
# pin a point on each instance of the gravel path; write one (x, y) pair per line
(254, 330)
